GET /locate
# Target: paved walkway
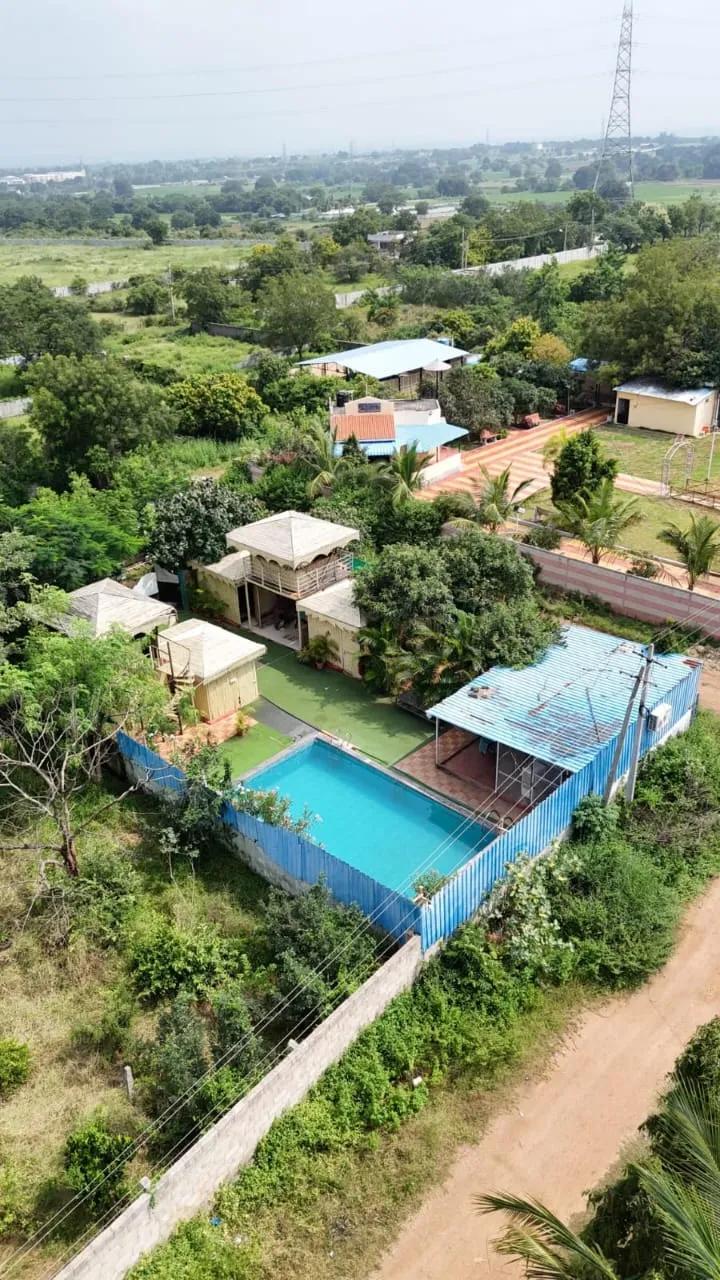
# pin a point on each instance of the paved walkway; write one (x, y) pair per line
(564, 1131)
(521, 450)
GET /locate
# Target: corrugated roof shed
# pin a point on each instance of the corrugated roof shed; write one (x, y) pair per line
(563, 708)
(292, 537)
(392, 358)
(336, 603)
(660, 391)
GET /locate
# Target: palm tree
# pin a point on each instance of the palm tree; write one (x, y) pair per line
(684, 1193)
(386, 665)
(449, 658)
(599, 518)
(403, 474)
(322, 459)
(497, 504)
(697, 545)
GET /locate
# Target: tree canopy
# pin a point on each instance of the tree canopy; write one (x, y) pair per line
(33, 322)
(296, 311)
(221, 405)
(192, 523)
(89, 412)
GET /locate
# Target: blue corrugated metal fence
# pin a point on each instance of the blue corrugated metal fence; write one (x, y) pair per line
(461, 897)
(294, 854)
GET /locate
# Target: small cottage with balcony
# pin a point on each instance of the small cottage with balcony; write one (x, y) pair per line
(272, 564)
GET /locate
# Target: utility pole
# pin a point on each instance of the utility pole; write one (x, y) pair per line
(617, 142)
(632, 773)
(607, 794)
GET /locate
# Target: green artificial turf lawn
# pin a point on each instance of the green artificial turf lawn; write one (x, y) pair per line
(339, 705)
(259, 744)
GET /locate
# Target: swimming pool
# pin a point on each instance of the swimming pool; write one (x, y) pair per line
(370, 819)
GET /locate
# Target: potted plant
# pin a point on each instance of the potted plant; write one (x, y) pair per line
(319, 651)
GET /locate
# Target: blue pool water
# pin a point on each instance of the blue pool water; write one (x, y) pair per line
(370, 819)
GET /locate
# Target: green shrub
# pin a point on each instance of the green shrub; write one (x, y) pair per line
(108, 1033)
(593, 819)
(233, 1027)
(94, 1160)
(164, 959)
(308, 934)
(198, 1251)
(545, 536)
(15, 1201)
(14, 1065)
(618, 916)
(178, 1059)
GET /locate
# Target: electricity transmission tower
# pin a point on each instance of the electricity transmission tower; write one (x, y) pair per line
(617, 143)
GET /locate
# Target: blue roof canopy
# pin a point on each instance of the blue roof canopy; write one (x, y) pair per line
(565, 707)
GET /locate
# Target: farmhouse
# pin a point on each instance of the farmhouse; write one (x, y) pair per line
(384, 427)
(274, 563)
(106, 604)
(682, 412)
(402, 364)
(220, 668)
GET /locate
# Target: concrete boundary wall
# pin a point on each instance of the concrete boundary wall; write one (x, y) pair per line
(191, 1182)
(643, 598)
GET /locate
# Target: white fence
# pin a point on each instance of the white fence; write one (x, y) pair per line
(585, 254)
(190, 1183)
(15, 408)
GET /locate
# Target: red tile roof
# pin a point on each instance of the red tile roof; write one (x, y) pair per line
(364, 426)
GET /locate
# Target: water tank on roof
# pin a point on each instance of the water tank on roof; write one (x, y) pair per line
(342, 398)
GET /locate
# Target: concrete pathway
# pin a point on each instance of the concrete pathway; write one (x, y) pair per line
(565, 1131)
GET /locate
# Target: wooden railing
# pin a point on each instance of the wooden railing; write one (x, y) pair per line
(299, 582)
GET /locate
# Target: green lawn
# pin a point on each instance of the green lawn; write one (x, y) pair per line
(259, 744)
(642, 538)
(641, 452)
(339, 705)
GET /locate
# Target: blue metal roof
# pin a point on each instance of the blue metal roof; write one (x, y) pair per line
(565, 707)
(392, 358)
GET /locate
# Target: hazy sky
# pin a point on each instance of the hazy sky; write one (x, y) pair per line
(140, 79)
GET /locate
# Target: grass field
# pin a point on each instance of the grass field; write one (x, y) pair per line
(185, 188)
(642, 539)
(60, 263)
(641, 453)
(650, 192)
(173, 347)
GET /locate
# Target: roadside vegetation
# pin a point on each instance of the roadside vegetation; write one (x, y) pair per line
(335, 1175)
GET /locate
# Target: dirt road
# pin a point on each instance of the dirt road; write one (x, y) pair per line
(565, 1131)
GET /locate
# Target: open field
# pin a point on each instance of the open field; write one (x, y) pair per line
(650, 192)
(58, 263)
(173, 347)
(642, 538)
(185, 188)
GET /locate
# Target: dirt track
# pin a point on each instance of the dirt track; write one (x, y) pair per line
(565, 1130)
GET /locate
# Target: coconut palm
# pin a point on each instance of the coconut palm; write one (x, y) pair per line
(321, 457)
(600, 518)
(684, 1193)
(497, 503)
(403, 474)
(448, 658)
(697, 545)
(386, 665)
